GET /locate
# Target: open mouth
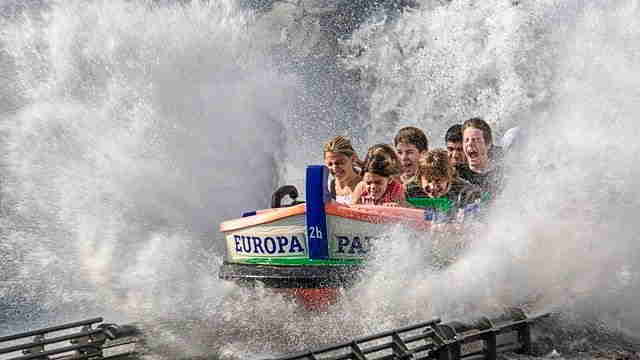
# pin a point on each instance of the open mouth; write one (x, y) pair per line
(473, 154)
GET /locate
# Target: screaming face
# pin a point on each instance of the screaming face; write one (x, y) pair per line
(475, 149)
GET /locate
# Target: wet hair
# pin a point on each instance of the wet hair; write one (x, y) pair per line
(454, 134)
(380, 165)
(435, 164)
(384, 152)
(340, 145)
(412, 136)
(478, 123)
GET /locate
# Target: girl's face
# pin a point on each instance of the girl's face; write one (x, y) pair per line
(435, 187)
(340, 165)
(376, 185)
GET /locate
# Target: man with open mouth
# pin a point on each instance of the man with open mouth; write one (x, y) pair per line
(480, 168)
(410, 145)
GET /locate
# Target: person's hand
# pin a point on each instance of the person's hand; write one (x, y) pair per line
(369, 200)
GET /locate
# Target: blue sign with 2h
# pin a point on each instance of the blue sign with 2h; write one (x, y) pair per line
(317, 195)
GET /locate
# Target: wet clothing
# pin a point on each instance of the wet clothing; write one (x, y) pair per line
(342, 199)
(413, 188)
(393, 194)
(461, 194)
(496, 154)
(491, 182)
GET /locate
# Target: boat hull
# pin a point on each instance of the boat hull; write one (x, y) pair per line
(319, 244)
(291, 276)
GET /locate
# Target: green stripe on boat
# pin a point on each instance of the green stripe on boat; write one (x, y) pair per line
(442, 204)
(300, 261)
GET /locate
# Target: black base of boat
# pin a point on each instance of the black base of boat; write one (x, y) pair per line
(292, 276)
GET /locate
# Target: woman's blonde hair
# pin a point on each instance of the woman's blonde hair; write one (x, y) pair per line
(435, 164)
(340, 145)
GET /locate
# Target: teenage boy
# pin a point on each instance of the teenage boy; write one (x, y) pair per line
(410, 144)
(480, 169)
(453, 140)
(440, 181)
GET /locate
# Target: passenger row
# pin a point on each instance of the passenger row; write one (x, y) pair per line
(446, 182)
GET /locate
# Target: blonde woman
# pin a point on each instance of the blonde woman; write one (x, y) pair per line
(341, 159)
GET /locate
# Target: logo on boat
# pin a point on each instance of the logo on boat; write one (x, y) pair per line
(351, 246)
(277, 245)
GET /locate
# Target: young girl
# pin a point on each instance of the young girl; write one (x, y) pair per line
(378, 186)
(341, 160)
(389, 153)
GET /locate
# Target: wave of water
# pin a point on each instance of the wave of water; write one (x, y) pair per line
(566, 72)
(134, 129)
(130, 129)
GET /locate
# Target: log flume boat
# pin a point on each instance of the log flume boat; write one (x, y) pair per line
(311, 248)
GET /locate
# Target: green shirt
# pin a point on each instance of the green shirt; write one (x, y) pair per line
(413, 189)
(461, 193)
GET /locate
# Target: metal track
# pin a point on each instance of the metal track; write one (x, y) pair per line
(483, 338)
(480, 339)
(72, 341)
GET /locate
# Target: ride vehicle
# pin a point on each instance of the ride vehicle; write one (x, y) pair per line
(308, 249)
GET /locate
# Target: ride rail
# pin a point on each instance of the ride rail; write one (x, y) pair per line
(481, 339)
(72, 341)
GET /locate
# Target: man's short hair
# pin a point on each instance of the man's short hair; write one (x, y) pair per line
(478, 123)
(412, 136)
(454, 134)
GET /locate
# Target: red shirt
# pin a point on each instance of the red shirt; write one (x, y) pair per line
(393, 194)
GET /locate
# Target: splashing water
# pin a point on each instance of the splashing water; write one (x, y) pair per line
(131, 129)
(563, 235)
(138, 128)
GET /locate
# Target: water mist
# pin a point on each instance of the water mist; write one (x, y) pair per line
(131, 130)
(136, 129)
(562, 236)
